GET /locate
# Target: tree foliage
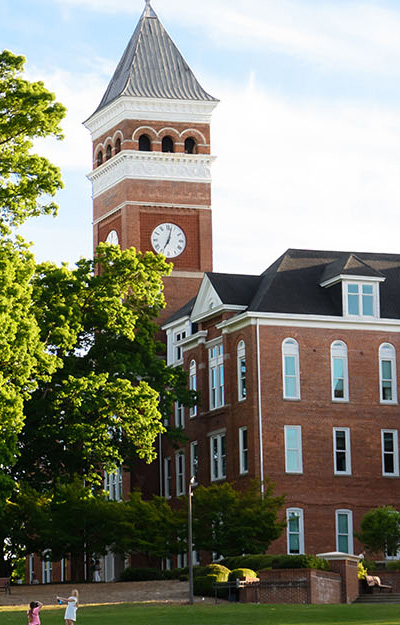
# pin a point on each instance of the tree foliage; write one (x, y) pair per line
(27, 112)
(106, 400)
(231, 522)
(380, 530)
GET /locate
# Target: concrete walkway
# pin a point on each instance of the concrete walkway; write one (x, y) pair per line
(165, 591)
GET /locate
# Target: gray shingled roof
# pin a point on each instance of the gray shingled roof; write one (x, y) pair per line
(292, 284)
(153, 67)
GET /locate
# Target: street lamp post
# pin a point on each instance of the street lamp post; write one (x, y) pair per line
(190, 540)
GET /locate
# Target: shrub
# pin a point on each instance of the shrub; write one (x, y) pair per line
(393, 566)
(132, 574)
(221, 571)
(239, 573)
(203, 585)
(265, 561)
(361, 570)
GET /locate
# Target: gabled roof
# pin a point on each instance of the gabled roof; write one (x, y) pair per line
(153, 67)
(292, 284)
(349, 265)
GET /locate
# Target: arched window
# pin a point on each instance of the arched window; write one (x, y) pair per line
(241, 370)
(118, 146)
(190, 145)
(193, 384)
(339, 371)
(108, 152)
(387, 374)
(167, 144)
(100, 158)
(144, 143)
(291, 369)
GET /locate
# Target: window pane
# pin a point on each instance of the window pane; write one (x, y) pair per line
(353, 304)
(294, 543)
(294, 523)
(387, 390)
(292, 460)
(338, 367)
(338, 390)
(291, 438)
(353, 288)
(290, 367)
(388, 441)
(341, 440)
(341, 461)
(343, 544)
(389, 463)
(343, 524)
(367, 289)
(290, 387)
(386, 369)
(368, 305)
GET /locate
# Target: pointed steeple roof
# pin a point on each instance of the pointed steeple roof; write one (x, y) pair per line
(153, 67)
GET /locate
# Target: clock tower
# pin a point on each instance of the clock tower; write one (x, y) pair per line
(151, 159)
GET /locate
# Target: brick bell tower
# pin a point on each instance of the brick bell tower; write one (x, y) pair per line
(151, 159)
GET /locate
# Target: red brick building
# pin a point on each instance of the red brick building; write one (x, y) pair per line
(296, 368)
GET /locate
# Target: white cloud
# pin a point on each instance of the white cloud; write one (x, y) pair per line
(355, 36)
(302, 175)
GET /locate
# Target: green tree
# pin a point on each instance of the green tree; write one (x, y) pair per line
(106, 401)
(380, 530)
(231, 522)
(27, 111)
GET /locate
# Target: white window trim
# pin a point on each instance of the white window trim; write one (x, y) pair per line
(375, 297)
(392, 358)
(192, 466)
(290, 347)
(300, 512)
(179, 474)
(242, 451)
(346, 451)
(167, 477)
(216, 362)
(241, 355)
(339, 350)
(219, 475)
(395, 453)
(299, 449)
(193, 385)
(350, 529)
(179, 415)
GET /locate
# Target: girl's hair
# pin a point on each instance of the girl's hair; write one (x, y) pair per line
(75, 593)
(32, 606)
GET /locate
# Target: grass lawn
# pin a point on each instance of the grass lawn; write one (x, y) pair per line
(223, 614)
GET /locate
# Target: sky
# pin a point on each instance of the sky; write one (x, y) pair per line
(306, 135)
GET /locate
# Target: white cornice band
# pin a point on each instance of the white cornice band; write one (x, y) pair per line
(149, 109)
(161, 166)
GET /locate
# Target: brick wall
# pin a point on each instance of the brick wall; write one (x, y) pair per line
(297, 586)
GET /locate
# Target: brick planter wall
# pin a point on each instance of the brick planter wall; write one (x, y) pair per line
(295, 586)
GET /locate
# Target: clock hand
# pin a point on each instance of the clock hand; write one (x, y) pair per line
(168, 240)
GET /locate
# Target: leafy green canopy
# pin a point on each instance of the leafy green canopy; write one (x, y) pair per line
(27, 112)
(380, 530)
(230, 522)
(106, 401)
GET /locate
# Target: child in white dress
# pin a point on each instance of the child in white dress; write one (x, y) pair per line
(72, 606)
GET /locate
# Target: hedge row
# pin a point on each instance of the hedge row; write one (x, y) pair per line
(230, 568)
(264, 561)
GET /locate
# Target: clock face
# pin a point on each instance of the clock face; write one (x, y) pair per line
(168, 239)
(112, 237)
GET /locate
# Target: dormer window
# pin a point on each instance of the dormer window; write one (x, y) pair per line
(361, 299)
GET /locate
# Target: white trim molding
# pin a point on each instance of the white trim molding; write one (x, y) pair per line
(149, 109)
(132, 164)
